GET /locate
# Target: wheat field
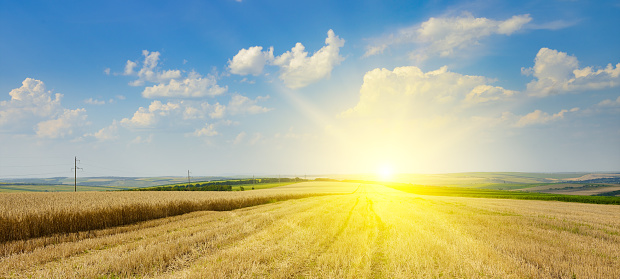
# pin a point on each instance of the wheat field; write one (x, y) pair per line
(370, 231)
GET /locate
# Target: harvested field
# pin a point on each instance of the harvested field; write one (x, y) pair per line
(29, 215)
(374, 232)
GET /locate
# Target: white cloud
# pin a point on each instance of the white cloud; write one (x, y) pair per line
(207, 131)
(610, 103)
(486, 93)
(106, 133)
(409, 116)
(250, 61)
(246, 80)
(444, 36)
(408, 91)
(298, 70)
(29, 101)
(149, 71)
(194, 85)
(217, 111)
(180, 112)
(538, 117)
(255, 138)
(171, 83)
(33, 108)
(605, 106)
(141, 140)
(557, 72)
(62, 126)
(239, 138)
(553, 25)
(243, 105)
(148, 117)
(129, 67)
(92, 101)
(106, 71)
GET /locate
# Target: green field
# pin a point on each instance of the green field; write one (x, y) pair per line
(498, 194)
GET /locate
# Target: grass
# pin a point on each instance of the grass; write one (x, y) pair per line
(373, 232)
(498, 194)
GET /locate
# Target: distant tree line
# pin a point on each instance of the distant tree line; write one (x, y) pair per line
(218, 185)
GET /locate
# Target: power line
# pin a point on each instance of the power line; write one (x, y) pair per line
(75, 173)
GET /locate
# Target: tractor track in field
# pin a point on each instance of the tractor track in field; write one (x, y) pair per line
(378, 258)
(324, 247)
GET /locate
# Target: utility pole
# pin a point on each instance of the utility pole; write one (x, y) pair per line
(188, 181)
(75, 168)
(253, 180)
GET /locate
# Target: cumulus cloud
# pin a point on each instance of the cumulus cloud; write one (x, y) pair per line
(444, 36)
(32, 106)
(207, 131)
(28, 101)
(610, 103)
(250, 61)
(605, 106)
(106, 133)
(129, 66)
(182, 111)
(487, 93)
(408, 91)
(149, 71)
(298, 70)
(557, 72)
(217, 111)
(194, 85)
(92, 101)
(62, 126)
(538, 117)
(141, 140)
(171, 83)
(148, 117)
(239, 138)
(243, 105)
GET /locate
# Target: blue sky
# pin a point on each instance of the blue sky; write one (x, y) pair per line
(154, 88)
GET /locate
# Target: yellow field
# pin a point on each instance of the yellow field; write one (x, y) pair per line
(375, 232)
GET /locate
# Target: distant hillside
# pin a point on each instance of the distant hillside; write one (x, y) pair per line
(94, 183)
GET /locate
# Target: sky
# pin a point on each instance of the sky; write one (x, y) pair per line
(157, 88)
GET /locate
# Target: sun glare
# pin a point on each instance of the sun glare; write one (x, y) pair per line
(386, 172)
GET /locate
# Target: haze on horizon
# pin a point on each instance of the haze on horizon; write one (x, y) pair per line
(154, 88)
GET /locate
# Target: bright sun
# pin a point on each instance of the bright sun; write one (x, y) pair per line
(386, 172)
